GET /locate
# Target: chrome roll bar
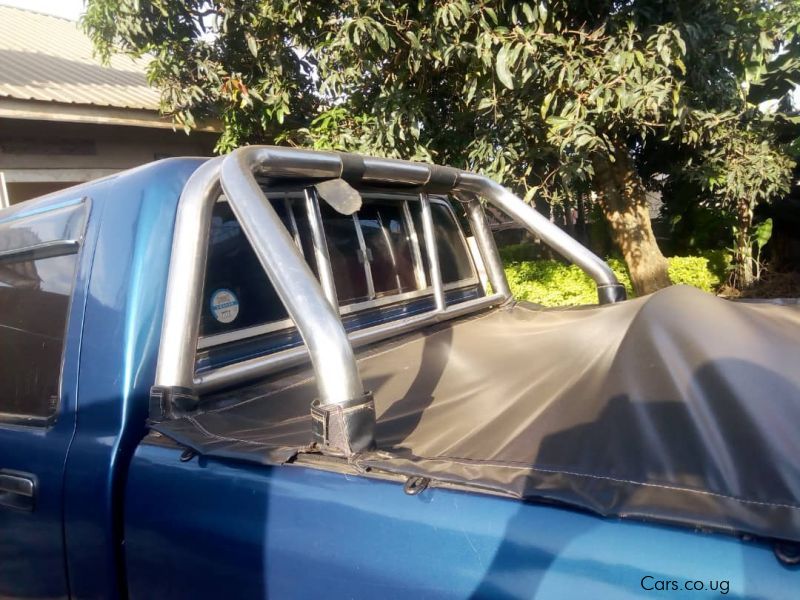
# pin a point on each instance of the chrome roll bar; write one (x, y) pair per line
(486, 244)
(312, 308)
(317, 322)
(184, 296)
(609, 288)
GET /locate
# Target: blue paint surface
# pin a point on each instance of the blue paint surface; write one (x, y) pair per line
(32, 543)
(213, 528)
(117, 367)
(70, 545)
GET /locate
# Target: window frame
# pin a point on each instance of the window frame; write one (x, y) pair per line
(57, 248)
(312, 210)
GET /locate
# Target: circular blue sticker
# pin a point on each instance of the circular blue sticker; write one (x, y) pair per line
(224, 306)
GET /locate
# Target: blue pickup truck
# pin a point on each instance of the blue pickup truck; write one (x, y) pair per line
(293, 374)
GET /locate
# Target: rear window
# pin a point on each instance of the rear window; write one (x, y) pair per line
(388, 240)
(237, 293)
(371, 252)
(375, 258)
(347, 258)
(37, 271)
(455, 262)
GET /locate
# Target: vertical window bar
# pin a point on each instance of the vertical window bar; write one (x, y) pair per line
(288, 205)
(419, 269)
(487, 248)
(321, 249)
(387, 238)
(362, 244)
(433, 253)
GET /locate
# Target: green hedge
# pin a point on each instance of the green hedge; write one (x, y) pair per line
(552, 283)
(513, 253)
(706, 272)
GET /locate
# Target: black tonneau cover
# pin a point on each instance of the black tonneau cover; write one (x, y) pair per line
(677, 407)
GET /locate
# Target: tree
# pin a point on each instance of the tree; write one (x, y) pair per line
(741, 155)
(741, 169)
(552, 98)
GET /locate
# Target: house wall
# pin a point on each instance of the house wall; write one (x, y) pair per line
(39, 157)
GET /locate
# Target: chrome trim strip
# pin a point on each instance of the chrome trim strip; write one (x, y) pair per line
(397, 298)
(40, 251)
(217, 339)
(289, 208)
(390, 247)
(253, 368)
(419, 268)
(209, 341)
(362, 245)
(349, 309)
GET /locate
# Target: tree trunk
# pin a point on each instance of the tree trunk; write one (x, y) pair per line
(743, 255)
(580, 226)
(624, 204)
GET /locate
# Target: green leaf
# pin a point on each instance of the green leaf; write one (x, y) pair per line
(763, 233)
(680, 42)
(548, 99)
(473, 86)
(252, 44)
(503, 74)
(485, 103)
(583, 140)
(526, 8)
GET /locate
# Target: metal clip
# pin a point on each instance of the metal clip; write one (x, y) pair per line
(415, 485)
(787, 552)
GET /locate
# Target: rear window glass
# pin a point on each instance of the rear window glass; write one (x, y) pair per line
(371, 252)
(387, 238)
(347, 259)
(374, 256)
(237, 293)
(454, 260)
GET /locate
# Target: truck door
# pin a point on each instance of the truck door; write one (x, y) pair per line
(39, 334)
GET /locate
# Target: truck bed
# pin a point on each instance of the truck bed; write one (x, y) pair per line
(654, 409)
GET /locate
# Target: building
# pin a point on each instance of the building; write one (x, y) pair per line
(65, 118)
